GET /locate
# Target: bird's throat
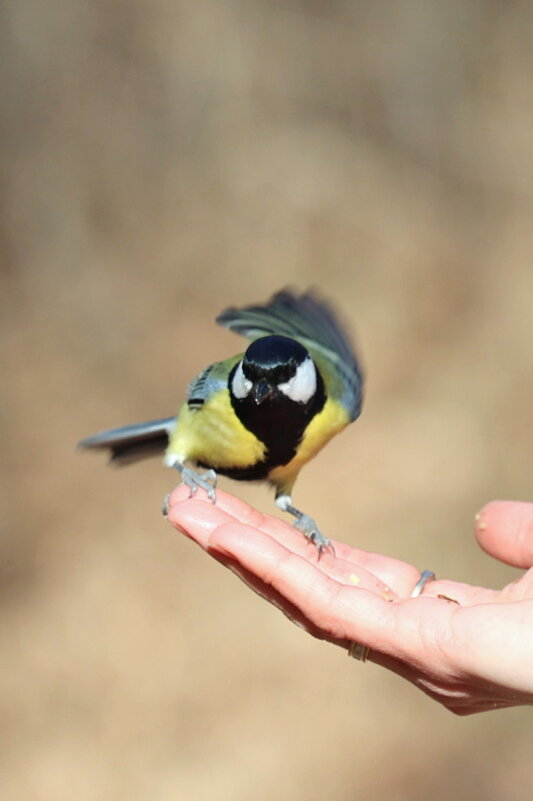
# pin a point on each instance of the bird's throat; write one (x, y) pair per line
(279, 423)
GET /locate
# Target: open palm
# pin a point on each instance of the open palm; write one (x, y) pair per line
(470, 648)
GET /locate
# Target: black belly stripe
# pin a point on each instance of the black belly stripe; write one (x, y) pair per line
(279, 423)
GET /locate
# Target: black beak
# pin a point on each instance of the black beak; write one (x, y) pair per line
(261, 391)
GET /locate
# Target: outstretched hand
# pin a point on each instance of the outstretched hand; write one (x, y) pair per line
(469, 648)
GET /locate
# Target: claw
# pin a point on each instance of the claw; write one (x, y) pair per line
(165, 504)
(307, 526)
(193, 480)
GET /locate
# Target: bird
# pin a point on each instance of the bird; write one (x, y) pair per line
(260, 415)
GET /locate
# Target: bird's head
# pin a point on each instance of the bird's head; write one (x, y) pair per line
(274, 368)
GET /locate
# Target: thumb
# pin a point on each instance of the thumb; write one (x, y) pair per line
(504, 529)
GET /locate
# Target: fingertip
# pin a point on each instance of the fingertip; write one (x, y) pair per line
(180, 493)
(483, 518)
(504, 529)
(195, 517)
(490, 517)
(223, 500)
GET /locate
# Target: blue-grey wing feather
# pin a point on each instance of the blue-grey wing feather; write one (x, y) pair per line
(204, 385)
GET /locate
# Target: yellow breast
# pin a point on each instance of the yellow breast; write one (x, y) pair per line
(213, 434)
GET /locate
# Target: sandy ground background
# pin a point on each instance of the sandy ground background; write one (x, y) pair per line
(160, 161)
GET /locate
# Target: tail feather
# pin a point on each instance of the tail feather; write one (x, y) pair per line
(132, 443)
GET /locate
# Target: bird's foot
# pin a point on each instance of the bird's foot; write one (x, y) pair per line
(307, 526)
(206, 481)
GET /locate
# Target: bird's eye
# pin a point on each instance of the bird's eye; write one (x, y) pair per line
(302, 386)
(240, 385)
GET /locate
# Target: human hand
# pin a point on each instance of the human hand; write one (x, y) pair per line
(469, 648)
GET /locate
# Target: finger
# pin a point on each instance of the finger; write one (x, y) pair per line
(198, 517)
(271, 594)
(339, 611)
(199, 520)
(327, 606)
(399, 576)
(504, 529)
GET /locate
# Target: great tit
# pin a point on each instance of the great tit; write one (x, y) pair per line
(260, 415)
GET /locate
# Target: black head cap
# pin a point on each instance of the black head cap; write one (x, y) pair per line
(273, 356)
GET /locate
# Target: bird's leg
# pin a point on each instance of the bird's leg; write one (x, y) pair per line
(305, 524)
(206, 481)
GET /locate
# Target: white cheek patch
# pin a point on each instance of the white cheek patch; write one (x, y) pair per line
(302, 386)
(240, 385)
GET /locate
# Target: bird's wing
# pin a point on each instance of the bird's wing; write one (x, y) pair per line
(308, 319)
(210, 380)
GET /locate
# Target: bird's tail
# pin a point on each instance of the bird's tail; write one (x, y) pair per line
(132, 443)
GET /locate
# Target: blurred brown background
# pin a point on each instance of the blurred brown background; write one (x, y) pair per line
(160, 161)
